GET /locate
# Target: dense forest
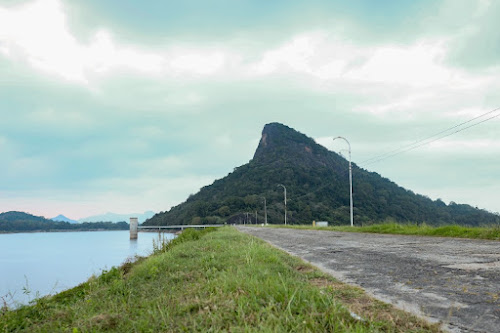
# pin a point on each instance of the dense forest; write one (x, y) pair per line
(23, 222)
(317, 189)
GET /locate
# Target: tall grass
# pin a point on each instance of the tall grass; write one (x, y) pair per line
(162, 244)
(491, 233)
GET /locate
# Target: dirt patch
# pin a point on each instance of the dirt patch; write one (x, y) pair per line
(304, 269)
(365, 307)
(105, 321)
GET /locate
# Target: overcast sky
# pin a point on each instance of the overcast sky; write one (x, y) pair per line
(128, 106)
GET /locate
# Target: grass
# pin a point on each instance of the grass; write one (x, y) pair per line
(491, 233)
(222, 281)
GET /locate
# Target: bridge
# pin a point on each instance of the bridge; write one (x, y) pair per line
(135, 228)
(182, 227)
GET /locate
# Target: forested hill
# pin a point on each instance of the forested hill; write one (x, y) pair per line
(317, 189)
(23, 222)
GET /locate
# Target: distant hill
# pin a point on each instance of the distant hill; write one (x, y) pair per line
(21, 216)
(113, 217)
(317, 188)
(62, 218)
(24, 222)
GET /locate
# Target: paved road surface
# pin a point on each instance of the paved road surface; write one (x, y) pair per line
(454, 281)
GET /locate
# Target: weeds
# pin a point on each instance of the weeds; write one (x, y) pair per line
(5, 307)
(189, 234)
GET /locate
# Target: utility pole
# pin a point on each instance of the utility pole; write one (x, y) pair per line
(256, 218)
(284, 188)
(350, 177)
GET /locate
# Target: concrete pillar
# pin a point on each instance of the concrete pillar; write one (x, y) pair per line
(134, 223)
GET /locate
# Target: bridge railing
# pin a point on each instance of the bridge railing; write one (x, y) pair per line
(182, 227)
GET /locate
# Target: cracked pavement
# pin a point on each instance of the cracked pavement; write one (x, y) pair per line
(448, 280)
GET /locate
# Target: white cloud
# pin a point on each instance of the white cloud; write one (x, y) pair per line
(315, 54)
(103, 55)
(404, 105)
(38, 34)
(468, 112)
(4, 50)
(295, 55)
(420, 64)
(325, 57)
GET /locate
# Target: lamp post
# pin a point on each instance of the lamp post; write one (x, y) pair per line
(265, 212)
(350, 176)
(284, 188)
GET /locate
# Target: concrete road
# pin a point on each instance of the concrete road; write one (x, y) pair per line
(450, 280)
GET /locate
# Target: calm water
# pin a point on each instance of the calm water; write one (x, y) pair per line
(46, 263)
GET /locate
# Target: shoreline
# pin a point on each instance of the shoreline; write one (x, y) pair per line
(64, 230)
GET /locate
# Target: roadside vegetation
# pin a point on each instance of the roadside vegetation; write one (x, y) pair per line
(491, 233)
(212, 281)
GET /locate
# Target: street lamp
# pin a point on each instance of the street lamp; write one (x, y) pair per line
(284, 188)
(265, 212)
(350, 176)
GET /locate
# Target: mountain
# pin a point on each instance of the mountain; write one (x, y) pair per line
(24, 222)
(62, 218)
(112, 217)
(21, 216)
(317, 186)
(20, 221)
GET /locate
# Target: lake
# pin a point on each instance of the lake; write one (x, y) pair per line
(38, 264)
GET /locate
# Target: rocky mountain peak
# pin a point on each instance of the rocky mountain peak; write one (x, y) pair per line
(280, 140)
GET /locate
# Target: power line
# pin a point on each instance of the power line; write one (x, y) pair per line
(427, 140)
(442, 137)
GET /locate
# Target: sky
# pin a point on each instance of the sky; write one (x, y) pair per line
(129, 106)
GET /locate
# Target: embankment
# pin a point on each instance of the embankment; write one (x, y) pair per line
(219, 280)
